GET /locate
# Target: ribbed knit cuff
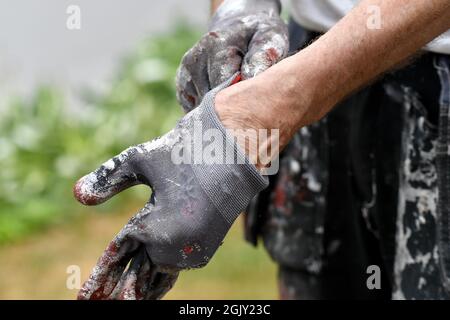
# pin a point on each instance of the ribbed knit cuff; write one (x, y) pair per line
(230, 186)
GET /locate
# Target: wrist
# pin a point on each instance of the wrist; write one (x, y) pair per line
(247, 111)
(294, 89)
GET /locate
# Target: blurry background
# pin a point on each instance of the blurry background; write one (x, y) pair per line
(71, 99)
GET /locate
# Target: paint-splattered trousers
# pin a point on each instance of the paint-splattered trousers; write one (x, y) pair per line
(367, 185)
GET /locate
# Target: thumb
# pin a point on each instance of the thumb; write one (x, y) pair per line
(267, 47)
(112, 177)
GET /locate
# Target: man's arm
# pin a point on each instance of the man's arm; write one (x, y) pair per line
(303, 88)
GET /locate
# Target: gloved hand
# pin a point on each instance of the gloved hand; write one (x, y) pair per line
(191, 209)
(246, 36)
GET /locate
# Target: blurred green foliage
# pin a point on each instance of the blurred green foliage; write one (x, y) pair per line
(46, 146)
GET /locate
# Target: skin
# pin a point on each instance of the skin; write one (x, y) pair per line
(305, 87)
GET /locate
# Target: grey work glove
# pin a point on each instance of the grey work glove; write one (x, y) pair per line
(191, 209)
(246, 36)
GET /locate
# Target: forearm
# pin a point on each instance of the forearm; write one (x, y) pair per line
(351, 54)
(303, 88)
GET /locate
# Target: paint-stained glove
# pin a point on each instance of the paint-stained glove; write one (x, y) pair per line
(246, 36)
(192, 207)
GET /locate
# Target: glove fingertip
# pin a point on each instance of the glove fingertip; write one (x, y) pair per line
(83, 192)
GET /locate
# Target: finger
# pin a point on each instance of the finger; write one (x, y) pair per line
(110, 266)
(187, 94)
(162, 283)
(236, 79)
(130, 286)
(268, 46)
(141, 281)
(105, 275)
(192, 77)
(145, 278)
(224, 64)
(111, 178)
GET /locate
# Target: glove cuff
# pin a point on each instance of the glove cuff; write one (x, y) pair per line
(230, 186)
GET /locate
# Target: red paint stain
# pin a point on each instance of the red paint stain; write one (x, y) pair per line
(189, 98)
(272, 55)
(98, 295)
(112, 248)
(213, 34)
(188, 249)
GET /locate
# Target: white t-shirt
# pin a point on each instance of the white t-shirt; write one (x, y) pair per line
(321, 15)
